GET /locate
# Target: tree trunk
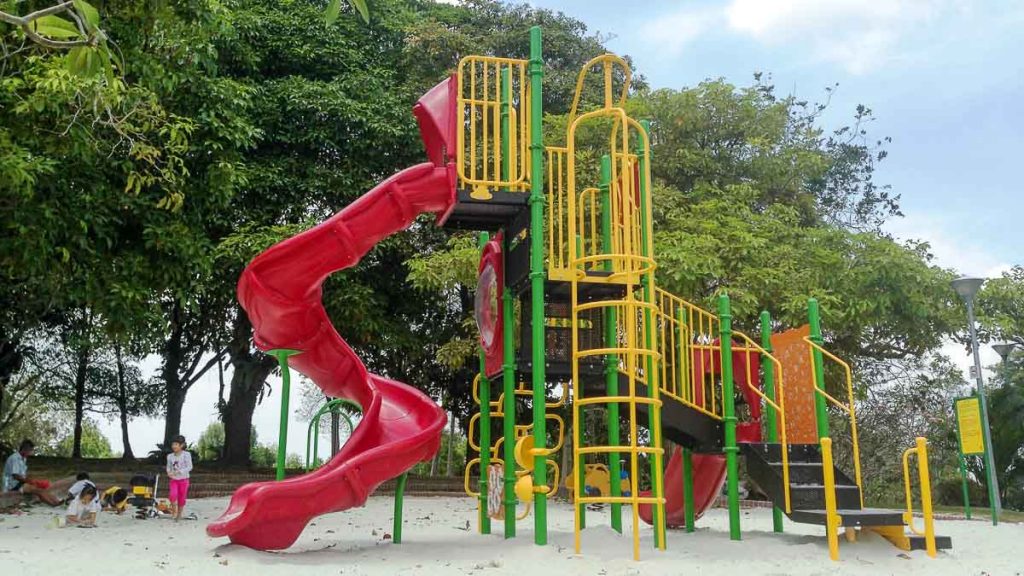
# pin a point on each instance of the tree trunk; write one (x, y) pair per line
(172, 425)
(122, 405)
(247, 379)
(80, 375)
(451, 442)
(174, 388)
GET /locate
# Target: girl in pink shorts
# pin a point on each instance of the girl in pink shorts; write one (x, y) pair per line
(179, 464)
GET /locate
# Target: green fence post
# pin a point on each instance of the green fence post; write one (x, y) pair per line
(540, 472)
(396, 532)
(485, 427)
(689, 508)
(820, 407)
(282, 355)
(509, 407)
(729, 416)
(654, 414)
(769, 390)
(611, 367)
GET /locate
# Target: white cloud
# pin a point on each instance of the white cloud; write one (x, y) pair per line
(855, 34)
(671, 33)
(951, 248)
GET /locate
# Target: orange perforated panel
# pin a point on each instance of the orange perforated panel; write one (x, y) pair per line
(791, 351)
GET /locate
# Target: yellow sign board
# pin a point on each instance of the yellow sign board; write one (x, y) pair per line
(968, 418)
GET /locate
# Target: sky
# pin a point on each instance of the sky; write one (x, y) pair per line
(945, 79)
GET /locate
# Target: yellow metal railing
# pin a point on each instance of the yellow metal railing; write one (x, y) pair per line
(691, 353)
(921, 451)
(481, 148)
(833, 521)
(849, 408)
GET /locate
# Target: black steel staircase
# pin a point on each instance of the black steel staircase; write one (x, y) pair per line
(807, 491)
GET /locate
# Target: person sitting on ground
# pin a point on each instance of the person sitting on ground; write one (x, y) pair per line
(81, 481)
(82, 510)
(114, 499)
(15, 477)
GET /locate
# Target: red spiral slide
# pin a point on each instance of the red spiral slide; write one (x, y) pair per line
(280, 290)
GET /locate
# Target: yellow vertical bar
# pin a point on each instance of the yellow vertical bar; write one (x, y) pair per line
(485, 110)
(926, 495)
(472, 173)
(552, 255)
(832, 519)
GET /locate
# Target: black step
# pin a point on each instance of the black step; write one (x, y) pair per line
(851, 517)
(811, 496)
(772, 452)
(919, 542)
(491, 215)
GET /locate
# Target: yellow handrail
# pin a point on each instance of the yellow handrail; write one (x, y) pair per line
(833, 520)
(608, 62)
(921, 450)
(849, 409)
(479, 161)
(780, 406)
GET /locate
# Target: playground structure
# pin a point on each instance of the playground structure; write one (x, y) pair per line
(570, 318)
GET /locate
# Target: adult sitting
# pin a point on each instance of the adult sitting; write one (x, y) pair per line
(15, 478)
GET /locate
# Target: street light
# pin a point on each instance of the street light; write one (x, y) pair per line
(1004, 351)
(967, 288)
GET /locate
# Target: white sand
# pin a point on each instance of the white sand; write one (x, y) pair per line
(436, 542)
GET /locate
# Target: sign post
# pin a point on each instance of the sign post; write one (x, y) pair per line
(970, 440)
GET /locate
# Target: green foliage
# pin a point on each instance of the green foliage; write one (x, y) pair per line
(94, 443)
(211, 442)
(1001, 308)
(1006, 419)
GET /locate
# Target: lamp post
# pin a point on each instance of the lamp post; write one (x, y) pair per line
(967, 288)
(1004, 351)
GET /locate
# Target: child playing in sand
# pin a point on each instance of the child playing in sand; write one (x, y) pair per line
(114, 499)
(81, 481)
(179, 464)
(82, 510)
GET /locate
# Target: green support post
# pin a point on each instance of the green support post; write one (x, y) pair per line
(729, 409)
(540, 472)
(654, 414)
(689, 510)
(313, 431)
(485, 429)
(509, 407)
(769, 391)
(611, 368)
(396, 532)
(820, 407)
(282, 355)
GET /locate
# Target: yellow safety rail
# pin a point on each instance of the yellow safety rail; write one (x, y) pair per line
(480, 145)
(833, 521)
(689, 347)
(848, 408)
(921, 451)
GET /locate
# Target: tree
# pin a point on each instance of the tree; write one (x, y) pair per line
(1001, 308)
(210, 445)
(93, 443)
(116, 389)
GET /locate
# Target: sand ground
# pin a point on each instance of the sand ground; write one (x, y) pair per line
(437, 541)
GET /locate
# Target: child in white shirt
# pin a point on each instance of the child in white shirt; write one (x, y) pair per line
(82, 510)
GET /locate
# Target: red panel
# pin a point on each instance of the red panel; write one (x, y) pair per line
(490, 321)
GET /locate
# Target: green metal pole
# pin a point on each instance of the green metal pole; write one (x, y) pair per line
(485, 429)
(396, 532)
(729, 410)
(506, 104)
(689, 510)
(509, 408)
(282, 355)
(820, 408)
(967, 496)
(611, 367)
(540, 473)
(315, 424)
(769, 391)
(654, 414)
